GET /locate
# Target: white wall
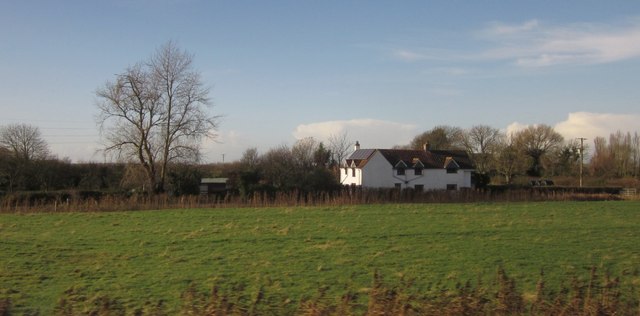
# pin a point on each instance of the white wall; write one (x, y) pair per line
(378, 172)
(348, 178)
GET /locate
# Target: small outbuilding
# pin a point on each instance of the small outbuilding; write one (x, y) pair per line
(214, 185)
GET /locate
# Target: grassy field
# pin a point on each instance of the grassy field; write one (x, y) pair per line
(292, 252)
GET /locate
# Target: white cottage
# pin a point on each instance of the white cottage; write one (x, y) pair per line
(403, 168)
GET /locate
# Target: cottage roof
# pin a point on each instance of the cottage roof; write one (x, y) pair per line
(359, 157)
(428, 159)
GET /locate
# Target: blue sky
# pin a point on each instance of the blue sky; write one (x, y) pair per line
(380, 71)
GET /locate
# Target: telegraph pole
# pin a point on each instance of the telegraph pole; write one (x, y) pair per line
(582, 139)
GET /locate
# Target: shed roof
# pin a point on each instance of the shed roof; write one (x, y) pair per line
(213, 180)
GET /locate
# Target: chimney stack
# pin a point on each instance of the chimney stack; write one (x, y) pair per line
(357, 147)
(426, 146)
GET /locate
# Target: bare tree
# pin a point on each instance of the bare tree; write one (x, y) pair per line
(340, 147)
(622, 152)
(303, 150)
(24, 142)
(6, 170)
(279, 167)
(439, 137)
(22, 148)
(481, 142)
(535, 141)
(635, 155)
(619, 157)
(250, 158)
(564, 160)
(509, 160)
(156, 113)
(601, 163)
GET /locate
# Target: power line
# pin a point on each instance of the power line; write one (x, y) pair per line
(28, 120)
(69, 128)
(79, 142)
(71, 136)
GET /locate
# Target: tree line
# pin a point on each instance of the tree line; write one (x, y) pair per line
(538, 151)
(154, 114)
(309, 165)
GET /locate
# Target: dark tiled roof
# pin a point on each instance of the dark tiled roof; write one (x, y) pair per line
(360, 157)
(460, 156)
(431, 159)
(361, 154)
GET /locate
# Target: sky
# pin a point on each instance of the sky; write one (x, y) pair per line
(379, 71)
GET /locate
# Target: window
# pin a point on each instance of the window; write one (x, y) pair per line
(398, 185)
(452, 170)
(452, 187)
(400, 171)
(419, 187)
(418, 171)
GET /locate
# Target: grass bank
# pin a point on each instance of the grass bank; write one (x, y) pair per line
(146, 256)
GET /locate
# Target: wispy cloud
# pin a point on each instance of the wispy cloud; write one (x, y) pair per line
(504, 29)
(535, 44)
(409, 55)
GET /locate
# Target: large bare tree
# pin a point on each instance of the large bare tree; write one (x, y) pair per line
(21, 148)
(481, 142)
(24, 142)
(535, 141)
(156, 112)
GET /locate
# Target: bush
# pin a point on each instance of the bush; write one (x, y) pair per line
(597, 295)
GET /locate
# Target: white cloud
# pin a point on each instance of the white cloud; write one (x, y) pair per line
(78, 152)
(230, 143)
(370, 133)
(588, 125)
(514, 128)
(592, 125)
(534, 44)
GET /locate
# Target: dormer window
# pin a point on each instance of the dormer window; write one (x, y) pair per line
(400, 167)
(417, 167)
(451, 165)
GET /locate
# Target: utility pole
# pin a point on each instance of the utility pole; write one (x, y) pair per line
(582, 139)
(222, 158)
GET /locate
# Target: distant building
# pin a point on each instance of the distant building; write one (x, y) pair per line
(403, 168)
(214, 185)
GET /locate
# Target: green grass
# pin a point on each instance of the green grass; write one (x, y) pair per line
(291, 252)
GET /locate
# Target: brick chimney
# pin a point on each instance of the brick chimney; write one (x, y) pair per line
(357, 145)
